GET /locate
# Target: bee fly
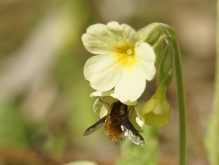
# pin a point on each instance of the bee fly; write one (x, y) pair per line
(117, 125)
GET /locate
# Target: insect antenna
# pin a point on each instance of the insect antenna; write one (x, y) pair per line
(104, 102)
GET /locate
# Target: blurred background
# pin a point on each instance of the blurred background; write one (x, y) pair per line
(44, 99)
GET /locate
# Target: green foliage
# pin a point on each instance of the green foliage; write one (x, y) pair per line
(13, 130)
(146, 155)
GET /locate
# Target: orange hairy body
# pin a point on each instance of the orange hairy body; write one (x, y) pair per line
(114, 121)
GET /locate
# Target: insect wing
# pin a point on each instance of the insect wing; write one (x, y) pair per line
(95, 127)
(130, 132)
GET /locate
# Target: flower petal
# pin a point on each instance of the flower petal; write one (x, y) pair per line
(101, 105)
(149, 106)
(102, 39)
(102, 71)
(96, 46)
(129, 34)
(100, 108)
(162, 107)
(145, 60)
(139, 122)
(156, 120)
(113, 95)
(138, 110)
(100, 93)
(130, 85)
(124, 34)
(97, 39)
(116, 32)
(133, 117)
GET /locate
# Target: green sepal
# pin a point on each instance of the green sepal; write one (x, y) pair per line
(150, 33)
(165, 66)
(158, 47)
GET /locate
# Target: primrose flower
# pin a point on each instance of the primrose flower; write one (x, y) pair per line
(101, 107)
(122, 63)
(156, 110)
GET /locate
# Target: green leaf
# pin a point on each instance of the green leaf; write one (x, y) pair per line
(146, 155)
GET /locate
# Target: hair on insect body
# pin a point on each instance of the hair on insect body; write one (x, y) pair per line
(117, 125)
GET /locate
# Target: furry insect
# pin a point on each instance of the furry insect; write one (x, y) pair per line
(117, 125)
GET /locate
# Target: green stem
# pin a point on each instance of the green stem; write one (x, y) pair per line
(181, 106)
(180, 95)
(212, 138)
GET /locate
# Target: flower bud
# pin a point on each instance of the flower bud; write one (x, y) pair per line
(150, 33)
(158, 47)
(156, 111)
(165, 66)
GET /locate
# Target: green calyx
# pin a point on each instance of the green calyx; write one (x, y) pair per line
(150, 33)
(165, 67)
(161, 38)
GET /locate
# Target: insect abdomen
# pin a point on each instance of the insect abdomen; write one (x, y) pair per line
(113, 129)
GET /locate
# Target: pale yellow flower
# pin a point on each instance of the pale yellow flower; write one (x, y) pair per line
(122, 63)
(156, 110)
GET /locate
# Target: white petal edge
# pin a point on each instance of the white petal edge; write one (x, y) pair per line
(97, 39)
(130, 35)
(115, 31)
(124, 34)
(100, 93)
(145, 57)
(138, 110)
(113, 95)
(100, 38)
(102, 33)
(132, 118)
(139, 122)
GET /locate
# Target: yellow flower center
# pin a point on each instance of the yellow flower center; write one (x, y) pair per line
(126, 55)
(129, 51)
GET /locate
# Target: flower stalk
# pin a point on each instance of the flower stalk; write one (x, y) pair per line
(164, 65)
(212, 140)
(180, 96)
(181, 107)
